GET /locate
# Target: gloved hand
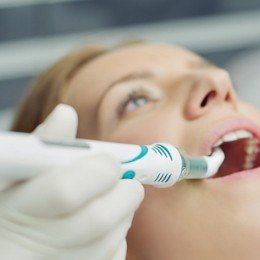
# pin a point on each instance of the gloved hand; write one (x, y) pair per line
(82, 211)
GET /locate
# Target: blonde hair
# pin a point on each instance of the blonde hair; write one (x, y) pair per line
(47, 90)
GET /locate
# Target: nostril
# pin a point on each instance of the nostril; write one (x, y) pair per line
(228, 97)
(207, 98)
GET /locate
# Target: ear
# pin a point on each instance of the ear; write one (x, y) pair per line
(61, 123)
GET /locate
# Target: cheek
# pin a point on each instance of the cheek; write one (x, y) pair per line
(137, 133)
(146, 131)
(250, 112)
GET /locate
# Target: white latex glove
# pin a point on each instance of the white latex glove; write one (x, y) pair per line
(82, 211)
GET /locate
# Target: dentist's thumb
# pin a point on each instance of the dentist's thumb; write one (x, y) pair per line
(61, 123)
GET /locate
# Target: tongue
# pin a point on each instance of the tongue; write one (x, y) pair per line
(234, 157)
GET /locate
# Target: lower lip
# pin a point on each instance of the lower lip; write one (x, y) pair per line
(242, 175)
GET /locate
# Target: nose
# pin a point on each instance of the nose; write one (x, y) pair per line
(209, 90)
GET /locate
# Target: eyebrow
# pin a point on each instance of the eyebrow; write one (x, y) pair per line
(126, 78)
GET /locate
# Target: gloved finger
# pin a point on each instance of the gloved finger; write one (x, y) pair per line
(100, 216)
(61, 123)
(121, 251)
(113, 243)
(65, 189)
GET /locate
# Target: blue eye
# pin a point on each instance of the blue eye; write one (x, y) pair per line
(137, 98)
(133, 101)
(140, 101)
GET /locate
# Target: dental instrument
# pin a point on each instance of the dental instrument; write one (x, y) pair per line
(161, 165)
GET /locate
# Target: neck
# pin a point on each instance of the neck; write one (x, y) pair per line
(151, 235)
(170, 224)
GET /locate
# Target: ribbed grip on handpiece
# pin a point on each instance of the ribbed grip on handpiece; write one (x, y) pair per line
(201, 167)
(158, 165)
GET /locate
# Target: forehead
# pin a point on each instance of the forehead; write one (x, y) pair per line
(135, 58)
(93, 78)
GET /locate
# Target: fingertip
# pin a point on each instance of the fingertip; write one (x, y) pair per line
(121, 252)
(139, 188)
(110, 163)
(61, 122)
(135, 187)
(101, 169)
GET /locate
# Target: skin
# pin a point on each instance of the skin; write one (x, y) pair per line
(206, 219)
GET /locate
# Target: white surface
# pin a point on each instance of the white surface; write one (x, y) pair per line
(213, 33)
(214, 161)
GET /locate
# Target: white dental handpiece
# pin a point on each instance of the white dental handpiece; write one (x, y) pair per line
(161, 165)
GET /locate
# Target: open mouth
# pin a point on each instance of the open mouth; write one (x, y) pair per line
(242, 152)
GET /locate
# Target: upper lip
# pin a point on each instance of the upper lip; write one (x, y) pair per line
(226, 126)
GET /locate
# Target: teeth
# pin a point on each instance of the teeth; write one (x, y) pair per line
(230, 137)
(218, 143)
(249, 162)
(250, 158)
(248, 165)
(243, 134)
(251, 150)
(236, 135)
(252, 146)
(253, 141)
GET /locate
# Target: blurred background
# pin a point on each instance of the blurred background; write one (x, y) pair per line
(34, 33)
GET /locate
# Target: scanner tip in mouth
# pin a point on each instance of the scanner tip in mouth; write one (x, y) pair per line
(240, 155)
(214, 161)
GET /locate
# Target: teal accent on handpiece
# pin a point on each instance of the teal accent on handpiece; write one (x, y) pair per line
(165, 150)
(128, 175)
(143, 152)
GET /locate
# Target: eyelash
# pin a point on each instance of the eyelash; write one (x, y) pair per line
(133, 94)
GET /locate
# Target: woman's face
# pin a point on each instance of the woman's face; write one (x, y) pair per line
(156, 93)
